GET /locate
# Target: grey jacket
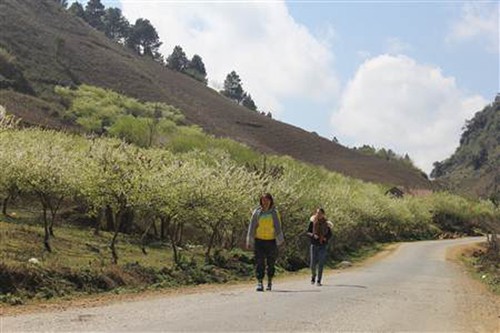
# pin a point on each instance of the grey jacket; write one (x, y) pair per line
(254, 221)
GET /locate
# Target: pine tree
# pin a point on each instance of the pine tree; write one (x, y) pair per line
(248, 102)
(116, 26)
(77, 9)
(177, 61)
(144, 39)
(196, 69)
(233, 88)
(94, 11)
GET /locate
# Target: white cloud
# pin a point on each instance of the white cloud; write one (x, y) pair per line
(275, 57)
(394, 102)
(479, 20)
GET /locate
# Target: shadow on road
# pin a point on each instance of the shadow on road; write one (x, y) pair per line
(294, 291)
(346, 286)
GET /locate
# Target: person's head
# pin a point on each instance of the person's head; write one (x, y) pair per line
(266, 201)
(320, 213)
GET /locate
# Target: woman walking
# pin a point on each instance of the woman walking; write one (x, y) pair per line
(265, 235)
(320, 232)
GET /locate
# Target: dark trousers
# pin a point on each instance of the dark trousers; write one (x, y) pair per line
(266, 252)
(318, 258)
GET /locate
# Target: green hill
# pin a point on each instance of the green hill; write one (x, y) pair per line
(163, 196)
(474, 168)
(43, 46)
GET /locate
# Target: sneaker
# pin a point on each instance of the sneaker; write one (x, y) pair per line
(269, 284)
(319, 284)
(260, 286)
(313, 279)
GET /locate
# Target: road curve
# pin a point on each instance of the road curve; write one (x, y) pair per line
(413, 289)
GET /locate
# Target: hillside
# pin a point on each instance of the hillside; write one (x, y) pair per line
(52, 47)
(474, 168)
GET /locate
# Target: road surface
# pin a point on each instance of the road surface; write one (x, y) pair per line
(413, 289)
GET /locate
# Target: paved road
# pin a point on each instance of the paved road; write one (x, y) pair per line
(413, 289)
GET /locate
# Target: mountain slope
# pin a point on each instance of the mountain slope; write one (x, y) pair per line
(474, 168)
(53, 47)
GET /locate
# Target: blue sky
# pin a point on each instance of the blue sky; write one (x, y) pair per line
(400, 75)
(422, 26)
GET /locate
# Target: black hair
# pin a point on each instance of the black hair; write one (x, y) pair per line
(268, 196)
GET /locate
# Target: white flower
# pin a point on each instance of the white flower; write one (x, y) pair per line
(34, 261)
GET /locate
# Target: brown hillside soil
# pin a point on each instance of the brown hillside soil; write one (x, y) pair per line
(33, 111)
(56, 48)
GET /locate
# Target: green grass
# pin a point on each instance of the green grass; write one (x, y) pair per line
(72, 246)
(81, 264)
(364, 252)
(484, 270)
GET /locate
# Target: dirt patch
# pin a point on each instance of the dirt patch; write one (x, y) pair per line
(455, 253)
(481, 306)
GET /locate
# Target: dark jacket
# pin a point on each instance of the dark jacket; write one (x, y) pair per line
(315, 241)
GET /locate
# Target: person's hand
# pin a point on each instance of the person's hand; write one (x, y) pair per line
(315, 236)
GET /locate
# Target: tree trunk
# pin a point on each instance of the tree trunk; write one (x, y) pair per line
(155, 229)
(232, 239)
(144, 234)
(127, 220)
(110, 220)
(53, 213)
(118, 219)
(4, 205)
(162, 228)
(170, 230)
(174, 250)
(97, 222)
(214, 233)
(495, 243)
(180, 232)
(210, 245)
(46, 239)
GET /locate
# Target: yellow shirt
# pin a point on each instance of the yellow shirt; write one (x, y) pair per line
(265, 227)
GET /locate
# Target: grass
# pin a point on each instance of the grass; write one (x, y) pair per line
(481, 268)
(80, 263)
(365, 252)
(22, 239)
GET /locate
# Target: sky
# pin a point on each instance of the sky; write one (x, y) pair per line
(403, 75)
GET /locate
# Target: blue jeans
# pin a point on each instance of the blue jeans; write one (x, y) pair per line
(318, 258)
